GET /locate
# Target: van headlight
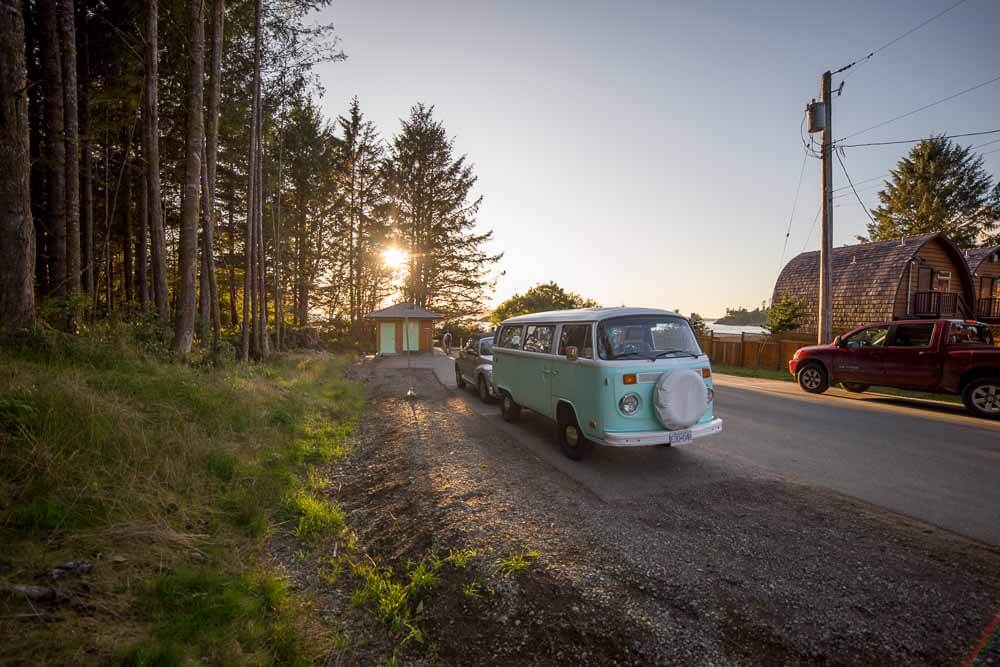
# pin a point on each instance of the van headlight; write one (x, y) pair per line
(630, 403)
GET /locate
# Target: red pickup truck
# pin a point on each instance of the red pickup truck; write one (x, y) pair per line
(941, 356)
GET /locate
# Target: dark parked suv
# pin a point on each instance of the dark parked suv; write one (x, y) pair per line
(474, 365)
(942, 356)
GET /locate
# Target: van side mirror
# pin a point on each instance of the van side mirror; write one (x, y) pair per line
(572, 354)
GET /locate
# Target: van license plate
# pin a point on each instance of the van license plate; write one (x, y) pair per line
(680, 437)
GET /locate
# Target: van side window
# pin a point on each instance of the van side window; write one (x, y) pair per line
(538, 338)
(510, 337)
(579, 336)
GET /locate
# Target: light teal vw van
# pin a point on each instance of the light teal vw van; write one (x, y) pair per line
(621, 377)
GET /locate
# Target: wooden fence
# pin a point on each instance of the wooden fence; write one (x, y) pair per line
(761, 351)
(751, 350)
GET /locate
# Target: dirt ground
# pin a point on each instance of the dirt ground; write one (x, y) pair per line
(737, 570)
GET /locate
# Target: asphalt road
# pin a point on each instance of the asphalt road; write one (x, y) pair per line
(926, 460)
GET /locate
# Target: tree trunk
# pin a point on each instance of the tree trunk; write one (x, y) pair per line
(17, 234)
(67, 30)
(124, 206)
(188, 251)
(211, 157)
(55, 142)
(230, 270)
(141, 246)
(251, 326)
(151, 151)
(87, 175)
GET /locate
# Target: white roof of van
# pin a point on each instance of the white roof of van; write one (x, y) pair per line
(585, 315)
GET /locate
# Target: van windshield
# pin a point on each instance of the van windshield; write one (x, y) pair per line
(646, 336)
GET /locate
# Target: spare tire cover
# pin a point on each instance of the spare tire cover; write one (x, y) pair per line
(680, 399)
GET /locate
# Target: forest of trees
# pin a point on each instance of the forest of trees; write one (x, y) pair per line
(167, 161)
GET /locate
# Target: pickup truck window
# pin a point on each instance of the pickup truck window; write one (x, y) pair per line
(913, 335)
(870, 337)
(962, 333)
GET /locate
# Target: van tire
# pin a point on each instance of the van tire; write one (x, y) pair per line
(571, 439)
(459, 380)
(509, 410)
(813, 378)
(979, 400)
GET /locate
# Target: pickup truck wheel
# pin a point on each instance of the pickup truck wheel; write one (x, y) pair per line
(982, 397)
(571, 439)
(459, 380)
(484, 390)
(509, 410)
(813, 378)
(856, 387)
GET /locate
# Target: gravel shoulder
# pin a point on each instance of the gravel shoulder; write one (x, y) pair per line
(729, 569)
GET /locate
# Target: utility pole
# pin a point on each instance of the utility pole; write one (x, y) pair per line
(825, 329)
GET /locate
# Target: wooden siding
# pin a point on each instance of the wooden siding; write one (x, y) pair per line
(931, 255)
(425, 341)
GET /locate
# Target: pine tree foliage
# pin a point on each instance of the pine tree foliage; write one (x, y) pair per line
(434, 215)
(939, 187)
(165, 186)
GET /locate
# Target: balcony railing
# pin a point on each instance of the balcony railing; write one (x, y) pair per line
(940, 304)
(988, 308)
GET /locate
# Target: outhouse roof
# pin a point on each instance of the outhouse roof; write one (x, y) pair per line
(403, 311)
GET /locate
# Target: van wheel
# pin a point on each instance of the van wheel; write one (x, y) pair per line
(982, 397)
(459, 380)
(484, 390)
(571, 439)
(509, 410)
(856, 387)
(813, 379)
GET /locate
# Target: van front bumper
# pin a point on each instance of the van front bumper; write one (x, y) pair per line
(645, 438)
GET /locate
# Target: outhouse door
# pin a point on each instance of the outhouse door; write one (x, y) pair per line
(387, 338)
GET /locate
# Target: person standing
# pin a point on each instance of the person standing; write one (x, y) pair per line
(446, 342)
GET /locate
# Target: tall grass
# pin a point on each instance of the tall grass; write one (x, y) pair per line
(109, 452)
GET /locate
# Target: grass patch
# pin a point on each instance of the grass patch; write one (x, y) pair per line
(394, 600)
(460, 557)
(107, 447)
(317, 518)
(515, 562)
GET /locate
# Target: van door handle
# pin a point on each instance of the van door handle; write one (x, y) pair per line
(554, 372)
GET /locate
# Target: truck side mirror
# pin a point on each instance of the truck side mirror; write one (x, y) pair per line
(838, 342)
(572, 354)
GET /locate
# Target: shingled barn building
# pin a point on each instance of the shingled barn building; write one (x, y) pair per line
(914, 277)
(985, 266)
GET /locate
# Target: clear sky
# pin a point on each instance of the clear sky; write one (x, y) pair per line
(647, 153)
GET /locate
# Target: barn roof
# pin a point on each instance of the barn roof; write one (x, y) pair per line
(976, 256)
(865, 276)
(404, 310)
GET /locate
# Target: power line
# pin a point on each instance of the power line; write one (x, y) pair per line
(795, 203)
(811, 229)
(862, 61)
(914, 141)
(919, 109)
(860, 203)
(889, 173)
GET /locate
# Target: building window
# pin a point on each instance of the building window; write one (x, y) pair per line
(942, 281)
